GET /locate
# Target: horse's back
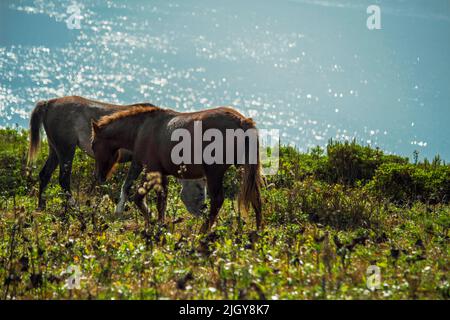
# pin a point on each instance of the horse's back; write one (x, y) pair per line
(156, 142)
(67, 120)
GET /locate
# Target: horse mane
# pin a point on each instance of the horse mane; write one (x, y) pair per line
(135, 110)
(246, 123)
(138, 109)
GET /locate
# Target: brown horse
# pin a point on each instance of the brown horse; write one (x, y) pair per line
(67, 123)
(150, 132)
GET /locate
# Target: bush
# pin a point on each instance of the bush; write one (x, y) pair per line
(404, 183)
(296, 166)
(349, 162)
(346, 163)
(333, 205)
(13, 160)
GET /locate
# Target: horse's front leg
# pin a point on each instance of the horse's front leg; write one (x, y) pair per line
(133, 173)
(139, 200)
(215, 190)
(162, 198)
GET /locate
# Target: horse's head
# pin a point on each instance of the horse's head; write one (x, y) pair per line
(193, 195)
(106, 155)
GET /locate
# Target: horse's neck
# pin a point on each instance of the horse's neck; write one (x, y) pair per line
(124, 131)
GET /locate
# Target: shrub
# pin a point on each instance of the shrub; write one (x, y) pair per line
(349, 162)
(13, 158)
(337, 206)
(296, 166)
(333, 205)
(403, 183)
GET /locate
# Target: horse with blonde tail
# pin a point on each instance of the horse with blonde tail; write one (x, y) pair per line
(189, 145)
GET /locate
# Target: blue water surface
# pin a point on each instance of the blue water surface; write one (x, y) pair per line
(310, 68)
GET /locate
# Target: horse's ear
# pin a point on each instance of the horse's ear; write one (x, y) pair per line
(95, 127)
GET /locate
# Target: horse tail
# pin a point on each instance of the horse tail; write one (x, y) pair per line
(250, 191)
(35, 129)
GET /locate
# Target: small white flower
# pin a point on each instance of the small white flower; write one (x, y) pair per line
(426, 269)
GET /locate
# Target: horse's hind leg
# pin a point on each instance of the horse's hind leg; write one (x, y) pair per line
(162, 199)
(133, 173)
(256, 204)
(65, 170)
(45, 175)
(216, 193)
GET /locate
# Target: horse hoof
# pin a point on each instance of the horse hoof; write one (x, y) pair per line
(118, 214)
(119, 217)
(253, 236)
(120, 208)
(71, 202)
(203, 248)
(41, 206)
(204, 229)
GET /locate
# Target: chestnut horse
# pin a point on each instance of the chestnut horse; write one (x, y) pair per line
(149, 132)
(67, 123)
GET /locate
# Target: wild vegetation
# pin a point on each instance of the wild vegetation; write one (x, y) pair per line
(329, 215)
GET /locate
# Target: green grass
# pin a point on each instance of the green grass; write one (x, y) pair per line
(327, 219)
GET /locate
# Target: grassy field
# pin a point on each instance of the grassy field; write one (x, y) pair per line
(329, 215)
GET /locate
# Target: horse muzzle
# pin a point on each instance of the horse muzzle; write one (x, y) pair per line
(101, 178)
